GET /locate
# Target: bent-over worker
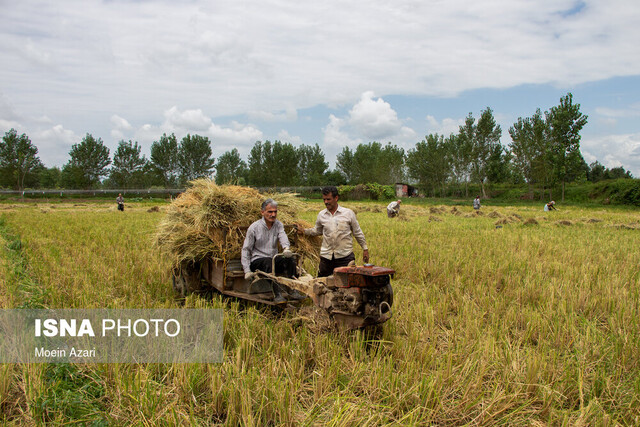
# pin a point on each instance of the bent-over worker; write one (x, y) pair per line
(393, 208)
(550, 206)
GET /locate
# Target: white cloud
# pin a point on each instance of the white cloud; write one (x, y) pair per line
(54, 144)
(284, 136)
(613, 151)
(446, 127)
(120, 123)
(375, 119)
(289, 115)
(335, 136)
(193, 120)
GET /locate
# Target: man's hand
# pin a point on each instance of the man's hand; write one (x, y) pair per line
(365, 255)
(287, 253)
(250, 275)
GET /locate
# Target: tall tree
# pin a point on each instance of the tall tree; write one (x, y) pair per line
(311, 165)
(429, 163)
(565, 123)
(18, 159)
(484, 141)
(128, 165)
(87, 165)
(531, 147)
(371, 163)
(164, 160)
(273, 164)
(50, 177)
(194, 158)
(231, 169)
(461, 151)
(344, 164)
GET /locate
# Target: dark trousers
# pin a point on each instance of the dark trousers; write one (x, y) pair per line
(326, 266)
(121, 207)
(284, 266)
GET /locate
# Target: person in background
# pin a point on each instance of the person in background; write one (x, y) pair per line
(393, 209)
(120, 201)
(550, 206)
(338, 226)
(476, 203)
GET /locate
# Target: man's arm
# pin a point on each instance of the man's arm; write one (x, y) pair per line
(282, 237)
(359, 236)
(247, 247)
(315, 231)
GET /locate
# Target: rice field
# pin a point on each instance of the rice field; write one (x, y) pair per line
(512, 317)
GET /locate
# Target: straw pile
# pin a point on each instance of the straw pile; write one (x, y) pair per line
(209, 220)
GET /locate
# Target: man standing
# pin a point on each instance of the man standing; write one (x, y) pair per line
(337, 226)
(476, 203)
(261, 244)
(393, 209)
(120, 201)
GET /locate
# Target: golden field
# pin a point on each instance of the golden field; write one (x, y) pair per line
(497, 320)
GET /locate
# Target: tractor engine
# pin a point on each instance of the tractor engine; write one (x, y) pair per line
(356, 296)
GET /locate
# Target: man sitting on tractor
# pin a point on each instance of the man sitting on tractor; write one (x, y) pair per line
(261, 245)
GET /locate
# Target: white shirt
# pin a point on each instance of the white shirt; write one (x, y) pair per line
(337, 230)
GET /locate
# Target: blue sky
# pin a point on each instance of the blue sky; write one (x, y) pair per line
(333, 73)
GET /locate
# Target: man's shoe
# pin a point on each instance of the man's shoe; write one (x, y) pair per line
(297, 295)
(277, 294)
(279, 299)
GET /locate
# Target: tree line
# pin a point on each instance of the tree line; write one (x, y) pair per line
(544, 153)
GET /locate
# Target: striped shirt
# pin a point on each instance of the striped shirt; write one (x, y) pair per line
(336, 231)
(262, 242)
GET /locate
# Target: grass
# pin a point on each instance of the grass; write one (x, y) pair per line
(523, 324)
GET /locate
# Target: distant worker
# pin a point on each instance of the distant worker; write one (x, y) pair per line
(550, 206)
(120, 201)
(393, 209)
(476, 203)
(261, 245)
(338, 226)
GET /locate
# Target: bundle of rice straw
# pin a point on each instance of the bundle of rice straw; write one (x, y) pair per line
(209, 220)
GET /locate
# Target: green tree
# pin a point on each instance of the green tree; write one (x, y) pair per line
(128, 165)
(485, 141)
(461, 152)
(372, 163)
(334, 177)
(273, 164)
(344, 165)
(19, 160)
(311, 165)
(89, 161)
(596, 172)
(50, 177)
(231, 169)
(617, 173)
(429, 163)
(565, 122)
(194, 158)
(164, 160)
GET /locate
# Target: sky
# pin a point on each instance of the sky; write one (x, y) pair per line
(332, 72)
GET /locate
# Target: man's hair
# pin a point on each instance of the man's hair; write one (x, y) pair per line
(269, 202)
(330, 190)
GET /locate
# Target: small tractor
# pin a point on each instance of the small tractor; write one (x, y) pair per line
(354, 296)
